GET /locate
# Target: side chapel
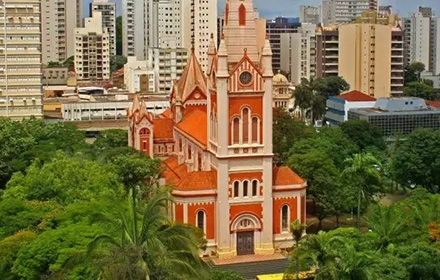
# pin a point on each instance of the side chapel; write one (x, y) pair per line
(216, 141)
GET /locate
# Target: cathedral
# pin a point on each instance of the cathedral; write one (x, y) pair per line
(216, 145)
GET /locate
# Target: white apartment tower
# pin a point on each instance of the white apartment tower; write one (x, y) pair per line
(309, 14)
(344, 11)
(298, 53)
(422, 42)
(168, 24)
(59, 20)
(199, 19)
(135, 22)
(92, 54)
(20, 59)
(108, 11)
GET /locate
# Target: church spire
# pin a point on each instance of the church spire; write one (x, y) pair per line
(240, 30)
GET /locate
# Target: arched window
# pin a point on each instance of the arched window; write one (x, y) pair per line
(180, 145)
(201, 220)
(236, 189)
(285, 218)
(254, 188)
(245, 188)
(236, 131)
(255, 130)
(245, 125)
(242, 15)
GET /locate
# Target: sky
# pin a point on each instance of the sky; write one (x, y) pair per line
(290, 8)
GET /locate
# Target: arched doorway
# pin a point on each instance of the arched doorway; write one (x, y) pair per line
(246, 230)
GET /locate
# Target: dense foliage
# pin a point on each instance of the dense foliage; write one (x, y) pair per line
(402, 243)
(71, 210)
(311, 95)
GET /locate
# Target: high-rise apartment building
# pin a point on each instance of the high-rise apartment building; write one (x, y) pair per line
(344, 11)
(309, 14)
(135, 22)
(274, 30)
(368, 56)
(59, 20)
(422, 42)
(92, 50)
(298, 53)
(199, 20)
(108, 11)
(168, 24)
(20, 59)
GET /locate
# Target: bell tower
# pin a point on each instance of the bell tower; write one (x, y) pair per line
(240, 132)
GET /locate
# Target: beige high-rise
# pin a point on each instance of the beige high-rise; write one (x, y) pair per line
(20, 59)
(92, 50)
(368, 56)
(60, 17)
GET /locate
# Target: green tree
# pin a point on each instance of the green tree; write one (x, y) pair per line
(362, 173)
(389, 225)
(117, 62)
(311, 95)
(70, 63)
(349, 264)
(165, 250)
(119, 32)
(287, 129)
(420, 89)
(412, 72)
(112, 138)
(64, 180)
(9, 248)
(363, 134)
(16, 215)
(417, 160)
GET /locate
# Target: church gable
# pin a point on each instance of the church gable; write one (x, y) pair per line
(245, 77)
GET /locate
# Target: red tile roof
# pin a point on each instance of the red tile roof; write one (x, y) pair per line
(435, 104)
(356, 95)
(195, 125)
(178, 177)
(198, 180)
(167, 113)
(163, 128)
(285, 176)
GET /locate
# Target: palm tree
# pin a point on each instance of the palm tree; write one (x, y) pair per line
(388, 223)
(349, 264)
(151, 245)
(361, 169)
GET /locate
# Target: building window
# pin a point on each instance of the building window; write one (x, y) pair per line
(201, 220)
(242, 15)
(245, 113)
(236, 189)
(245, 188)
(236, 131)
(255, 130)
(254, 188)
(285, 218)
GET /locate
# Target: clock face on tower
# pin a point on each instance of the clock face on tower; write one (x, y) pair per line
(245, 78)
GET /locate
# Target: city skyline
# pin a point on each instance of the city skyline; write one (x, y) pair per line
(276, 8)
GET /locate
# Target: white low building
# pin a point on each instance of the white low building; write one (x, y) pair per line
(139, 76)
(338, 106)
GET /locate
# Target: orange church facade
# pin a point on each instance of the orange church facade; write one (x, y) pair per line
(216, 142)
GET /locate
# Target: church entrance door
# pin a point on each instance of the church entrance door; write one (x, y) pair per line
(245, 243)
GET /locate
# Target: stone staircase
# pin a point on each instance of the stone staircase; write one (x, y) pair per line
(250, 270)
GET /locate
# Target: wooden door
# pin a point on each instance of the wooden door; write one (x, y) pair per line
(245, 243)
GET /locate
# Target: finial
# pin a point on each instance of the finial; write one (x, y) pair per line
(245, 50)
